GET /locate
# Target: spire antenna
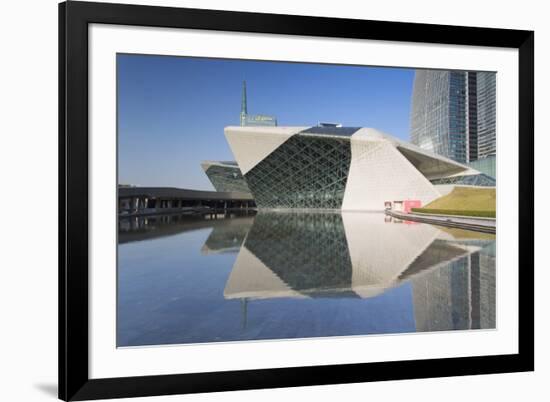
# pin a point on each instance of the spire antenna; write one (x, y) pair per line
(244, 109)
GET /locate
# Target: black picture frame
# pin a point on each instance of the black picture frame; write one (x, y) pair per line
(74, 18)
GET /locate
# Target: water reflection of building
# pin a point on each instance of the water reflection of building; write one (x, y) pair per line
(141, 201)
(361, 255)
(316, 254)
(233, 225)
(228, 237)
(458, 296)
(292, 254)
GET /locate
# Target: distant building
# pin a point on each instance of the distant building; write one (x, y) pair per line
(486, 165)
(225, 176)
(454, 113)
(486, 114)
(347, 168)
(254, 119)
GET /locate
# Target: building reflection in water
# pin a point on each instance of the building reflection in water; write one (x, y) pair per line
(361, 255)
(228, 237)
(229, 229)
(296, 274)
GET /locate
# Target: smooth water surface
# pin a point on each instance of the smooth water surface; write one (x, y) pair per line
(231, 277)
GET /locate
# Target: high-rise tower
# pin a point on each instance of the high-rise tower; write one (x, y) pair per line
(486, 114)
(453, 113)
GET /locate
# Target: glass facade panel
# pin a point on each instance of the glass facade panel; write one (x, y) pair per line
(454, 113)
(306, 171)
(439, 110)
(227, 178)
(430, 111)
(486, 114)
(471, 180)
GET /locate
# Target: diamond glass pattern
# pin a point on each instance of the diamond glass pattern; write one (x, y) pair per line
(308, 251)
(306, 171)
(470, 180)
(227, 178)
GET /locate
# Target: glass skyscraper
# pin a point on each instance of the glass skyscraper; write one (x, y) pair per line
(486, 114)
(454, 113)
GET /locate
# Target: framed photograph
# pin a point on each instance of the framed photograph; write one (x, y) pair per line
(257, 200)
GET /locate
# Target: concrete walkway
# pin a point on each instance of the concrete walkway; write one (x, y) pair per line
(485, 225)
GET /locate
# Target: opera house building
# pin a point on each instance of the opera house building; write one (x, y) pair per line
(334, 167)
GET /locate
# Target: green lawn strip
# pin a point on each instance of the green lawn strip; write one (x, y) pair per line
(478, 200)
(464, 201)
(458, 212)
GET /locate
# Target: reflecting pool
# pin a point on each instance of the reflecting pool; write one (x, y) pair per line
(233, 277)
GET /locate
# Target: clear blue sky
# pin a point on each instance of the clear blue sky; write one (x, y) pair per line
(172, 110)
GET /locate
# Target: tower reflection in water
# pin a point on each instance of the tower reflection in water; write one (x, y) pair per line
(296, 274)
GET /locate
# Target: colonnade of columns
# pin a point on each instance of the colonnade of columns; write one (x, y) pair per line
(145, 205)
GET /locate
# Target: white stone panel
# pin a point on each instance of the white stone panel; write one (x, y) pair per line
(250, 145)
(369, 238)
(372, 133)
(379, 173)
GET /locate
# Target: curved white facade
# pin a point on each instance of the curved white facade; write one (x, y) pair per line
(346, 168)
(252, 144)
(380, 173)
